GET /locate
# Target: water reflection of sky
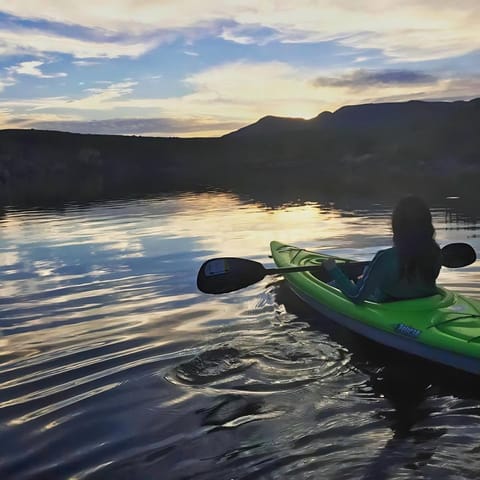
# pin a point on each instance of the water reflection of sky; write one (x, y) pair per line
(106, 240)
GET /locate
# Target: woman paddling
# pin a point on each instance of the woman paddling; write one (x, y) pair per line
(406, 270)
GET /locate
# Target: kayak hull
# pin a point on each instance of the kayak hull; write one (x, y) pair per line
(444, 328)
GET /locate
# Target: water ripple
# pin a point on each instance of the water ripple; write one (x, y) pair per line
(112, 365)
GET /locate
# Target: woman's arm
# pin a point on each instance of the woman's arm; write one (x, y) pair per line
(372, 280)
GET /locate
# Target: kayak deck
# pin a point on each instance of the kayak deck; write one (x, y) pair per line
(436, 327)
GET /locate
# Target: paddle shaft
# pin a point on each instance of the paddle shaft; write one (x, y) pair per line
(279, 271)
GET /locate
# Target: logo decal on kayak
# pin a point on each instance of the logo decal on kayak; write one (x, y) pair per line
(407, 331)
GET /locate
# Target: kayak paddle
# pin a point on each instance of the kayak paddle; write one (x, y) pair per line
(222, 275)
(456, 255)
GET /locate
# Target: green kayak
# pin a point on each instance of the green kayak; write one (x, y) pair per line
(444, 328)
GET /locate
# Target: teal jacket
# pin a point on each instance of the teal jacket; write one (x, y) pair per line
(381, 281)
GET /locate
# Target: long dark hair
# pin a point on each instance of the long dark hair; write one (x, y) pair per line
(413, 236)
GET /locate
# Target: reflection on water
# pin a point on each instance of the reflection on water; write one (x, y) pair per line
(113, 365)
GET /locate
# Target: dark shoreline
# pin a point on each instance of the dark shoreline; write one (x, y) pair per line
(379, 149)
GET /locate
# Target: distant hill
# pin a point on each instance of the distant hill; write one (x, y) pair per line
(364, 148)
(369, 116)
(271, 125)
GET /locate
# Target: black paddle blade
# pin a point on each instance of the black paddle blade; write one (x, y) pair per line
(222, 275)
(456, 255)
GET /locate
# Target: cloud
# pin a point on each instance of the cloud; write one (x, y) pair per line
(418, 44)
(455, 88)
(248, 35)
(5, 117)
(22, 41)
(85, 63)
(407, 31)
(226, 90)
(6, 82)
(366, 78)
(32, 68)
(135, 126)
(96, 98)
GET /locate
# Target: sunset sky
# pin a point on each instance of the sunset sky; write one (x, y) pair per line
(204, 68)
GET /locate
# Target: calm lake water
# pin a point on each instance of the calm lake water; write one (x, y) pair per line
(113, 365)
